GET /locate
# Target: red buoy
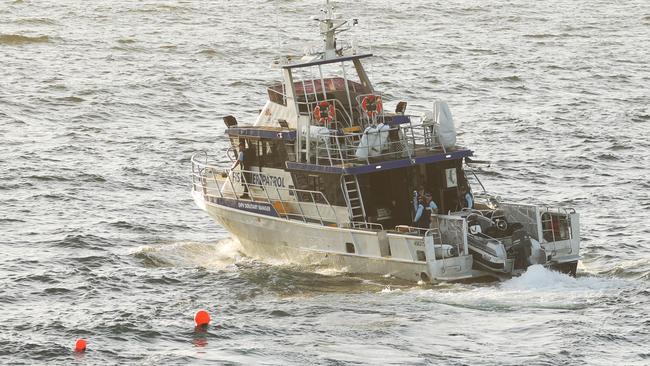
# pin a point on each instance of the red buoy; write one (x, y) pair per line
(80, 345)
(201, 318)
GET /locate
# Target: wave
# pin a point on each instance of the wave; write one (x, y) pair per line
(209, 52)
(71, 99)
(638, 269)
(221, 255)
(6, 219)
(36, 21)
(512, 78)
(537, 277)
(17, 39)
(47, 178)
(129, 226)
(537, 288)
(82, 241)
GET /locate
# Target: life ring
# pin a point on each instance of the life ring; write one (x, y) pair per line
(320, 115)
(372, 105)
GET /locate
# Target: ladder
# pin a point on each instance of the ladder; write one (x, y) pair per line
(352, 195)
(428, 135)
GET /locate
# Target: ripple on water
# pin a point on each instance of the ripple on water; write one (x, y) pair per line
(17, 39)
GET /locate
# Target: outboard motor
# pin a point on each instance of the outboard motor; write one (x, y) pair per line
(521, 248)
(538, 254)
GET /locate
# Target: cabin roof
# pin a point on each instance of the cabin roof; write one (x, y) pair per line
(382, 166)
(316, 86)
(327, 61)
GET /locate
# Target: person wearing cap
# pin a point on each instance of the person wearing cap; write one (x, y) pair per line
(240, 162)
(425, 209)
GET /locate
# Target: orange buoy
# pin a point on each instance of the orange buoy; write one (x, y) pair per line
(201, 318)
(80, 345)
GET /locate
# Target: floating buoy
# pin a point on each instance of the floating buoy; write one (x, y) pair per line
(80, 345)
(201, 318)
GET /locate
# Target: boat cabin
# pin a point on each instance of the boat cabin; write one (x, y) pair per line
(325, 129)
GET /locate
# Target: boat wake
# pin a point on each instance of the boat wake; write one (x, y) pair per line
(220, 255)
(538, 277)
(537, 288)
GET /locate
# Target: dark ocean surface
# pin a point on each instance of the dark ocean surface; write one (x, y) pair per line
(102, 104)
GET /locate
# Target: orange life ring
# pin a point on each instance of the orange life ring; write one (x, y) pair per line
(372, 105)
(321, 116)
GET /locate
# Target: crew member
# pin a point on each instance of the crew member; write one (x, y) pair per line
(424, 211)
(468, 197)
(418, 196)
(240, 162)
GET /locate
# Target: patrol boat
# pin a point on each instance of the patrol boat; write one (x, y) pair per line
(326, 175)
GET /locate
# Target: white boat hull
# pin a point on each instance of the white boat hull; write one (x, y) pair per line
(265, 237)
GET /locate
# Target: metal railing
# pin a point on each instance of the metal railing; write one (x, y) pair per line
(435, 233)
(375, 138)
(411, 230)
(544, 223)
(365, 225)
(341, 117)
(525, 214)
(556, 225)
(375, 143)
(290, 203)
(453, 231)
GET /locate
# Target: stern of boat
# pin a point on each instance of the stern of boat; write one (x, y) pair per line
(555, 229)
(443, 248)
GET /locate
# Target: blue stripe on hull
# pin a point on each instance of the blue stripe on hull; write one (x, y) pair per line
(261, 208)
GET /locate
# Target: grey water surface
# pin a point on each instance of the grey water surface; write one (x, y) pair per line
(102, 104)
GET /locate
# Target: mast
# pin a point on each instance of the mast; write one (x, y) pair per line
(329, 27)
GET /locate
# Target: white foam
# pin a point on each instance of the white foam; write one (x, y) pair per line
(538, 287)
(330, 271)
(538, 277)
(388, 289)
(220, 255)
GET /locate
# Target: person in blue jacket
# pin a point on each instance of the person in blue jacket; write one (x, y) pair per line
(468, 197)
(424, 210)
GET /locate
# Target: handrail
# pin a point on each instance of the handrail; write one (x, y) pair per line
(460, 233)
(562, 214)
(366, 225)
(338, 106)
(419, 230)
(334, 147)
(442, 252)
(208, 178)
(339, 147)
(359, 99)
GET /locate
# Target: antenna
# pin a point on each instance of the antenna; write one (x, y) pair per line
(330, 26)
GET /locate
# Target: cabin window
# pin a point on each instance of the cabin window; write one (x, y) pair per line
(272, 153)
(315, 183)
(349, 248)
(277, 94)
(328, 184)
(421, 256)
